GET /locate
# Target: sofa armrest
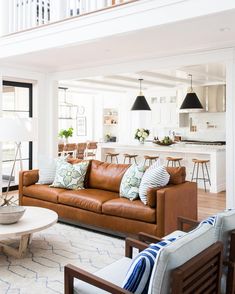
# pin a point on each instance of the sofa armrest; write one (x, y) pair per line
(172, 202)
(27, 178)
(71, 272)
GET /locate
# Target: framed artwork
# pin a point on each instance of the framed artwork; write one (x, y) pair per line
(81, 126)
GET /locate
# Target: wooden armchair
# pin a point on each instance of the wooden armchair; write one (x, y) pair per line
(201, 265)
(226, 234)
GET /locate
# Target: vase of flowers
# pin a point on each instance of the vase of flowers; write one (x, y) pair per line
(141, 135)
(66, 134)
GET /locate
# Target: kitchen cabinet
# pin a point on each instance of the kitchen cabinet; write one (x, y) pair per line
(164, 112)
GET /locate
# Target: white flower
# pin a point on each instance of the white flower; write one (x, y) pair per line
(145, 135)
(139, 134)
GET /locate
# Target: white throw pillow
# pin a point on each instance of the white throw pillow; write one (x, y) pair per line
(47, 169)
(130, 183)
(155, 176)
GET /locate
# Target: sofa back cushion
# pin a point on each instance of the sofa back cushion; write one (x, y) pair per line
(106, 176)
(176, 254)
(177, 175)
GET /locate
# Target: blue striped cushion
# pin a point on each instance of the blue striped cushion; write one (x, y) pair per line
(155, 176)
(138, 276)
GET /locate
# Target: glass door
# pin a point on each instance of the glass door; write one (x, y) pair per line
(16, 102)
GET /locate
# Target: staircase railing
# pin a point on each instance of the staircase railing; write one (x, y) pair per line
(18, 15)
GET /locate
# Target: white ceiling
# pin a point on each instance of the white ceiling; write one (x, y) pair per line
(207, 74)
(197, 34)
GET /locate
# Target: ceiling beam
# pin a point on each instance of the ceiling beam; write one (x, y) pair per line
(91, 87)
(97, 82)
(203, 74)
(145, 82)
(160, 76)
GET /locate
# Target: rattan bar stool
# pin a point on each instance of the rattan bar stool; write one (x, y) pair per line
(203, 163)
(111, 156)
(130, 157)
(150, 159)
(174, 161)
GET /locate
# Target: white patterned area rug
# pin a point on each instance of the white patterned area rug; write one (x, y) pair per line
(41, 270)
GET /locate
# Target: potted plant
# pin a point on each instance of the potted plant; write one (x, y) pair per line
(66, 134)
(141, 134)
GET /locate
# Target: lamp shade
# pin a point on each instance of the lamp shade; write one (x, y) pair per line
(191, 101)
(140, 104)
(18, 129)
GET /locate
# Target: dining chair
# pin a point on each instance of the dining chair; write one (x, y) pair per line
(91, 150)
(81, 147)
(70, 149)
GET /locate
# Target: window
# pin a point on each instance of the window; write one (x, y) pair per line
(16, 102)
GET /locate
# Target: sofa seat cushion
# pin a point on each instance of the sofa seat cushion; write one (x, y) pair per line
(125, 208)
(43, 192)
(88, 199)
(114, 273)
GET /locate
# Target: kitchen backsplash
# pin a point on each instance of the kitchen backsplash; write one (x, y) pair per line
(208, 126)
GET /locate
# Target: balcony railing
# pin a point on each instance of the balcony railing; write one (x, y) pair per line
(18, 15)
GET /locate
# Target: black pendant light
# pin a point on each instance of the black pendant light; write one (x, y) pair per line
(140, 101)
(191, 100)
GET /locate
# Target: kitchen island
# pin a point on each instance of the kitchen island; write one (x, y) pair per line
(216, 155)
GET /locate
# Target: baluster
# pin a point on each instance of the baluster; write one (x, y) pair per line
(92, 5)
(72, 11)
(82, 6)
(23, 9)
(109, 3)
(100, 4)
(77, 7)
(27, 14)
(46, 2)
(40, 16)
(10, 16)
(19, 13)
(34, 15)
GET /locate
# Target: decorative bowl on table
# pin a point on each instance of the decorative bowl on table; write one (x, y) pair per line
(165, 142)
(11, 214)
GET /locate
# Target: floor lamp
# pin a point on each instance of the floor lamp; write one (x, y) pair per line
(16, 130)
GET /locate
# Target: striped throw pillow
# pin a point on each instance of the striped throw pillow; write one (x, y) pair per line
(155, 176)
(138, 276)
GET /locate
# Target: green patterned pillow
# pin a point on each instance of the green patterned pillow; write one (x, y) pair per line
(70, 176)
(130, 183)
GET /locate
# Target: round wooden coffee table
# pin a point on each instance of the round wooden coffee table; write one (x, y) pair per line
(34, 219)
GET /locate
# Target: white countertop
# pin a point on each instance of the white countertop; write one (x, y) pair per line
(178, 147)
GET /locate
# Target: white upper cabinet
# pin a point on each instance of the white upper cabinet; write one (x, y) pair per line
(164, 111)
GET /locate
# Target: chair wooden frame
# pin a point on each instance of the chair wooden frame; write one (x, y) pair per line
(210, 260)
(229, 263)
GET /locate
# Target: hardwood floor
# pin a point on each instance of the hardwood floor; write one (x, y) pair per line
(208, 203)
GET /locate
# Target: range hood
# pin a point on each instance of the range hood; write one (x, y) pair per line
(213, 98)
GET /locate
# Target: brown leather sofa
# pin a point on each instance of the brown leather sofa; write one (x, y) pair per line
(99, 206)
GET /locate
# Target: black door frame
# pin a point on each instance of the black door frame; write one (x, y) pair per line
(30, 87)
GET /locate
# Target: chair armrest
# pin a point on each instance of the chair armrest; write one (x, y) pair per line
(147, 238)
(71, 272)
(181, 221)
(133, 243)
